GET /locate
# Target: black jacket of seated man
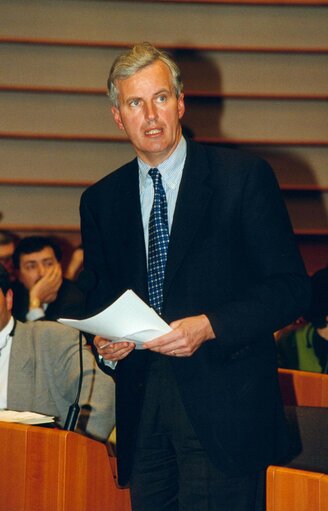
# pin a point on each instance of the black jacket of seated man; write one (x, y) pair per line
(69, 302)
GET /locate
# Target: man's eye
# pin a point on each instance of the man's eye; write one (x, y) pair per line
(135, 102)
(161, 98)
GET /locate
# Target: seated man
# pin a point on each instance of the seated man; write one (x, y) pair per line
(306, 348)
(7, 247)
(39, 371)
(41, 292)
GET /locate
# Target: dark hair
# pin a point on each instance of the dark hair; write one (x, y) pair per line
(4, 280)
(35, 244)
(318, 310)
(6, 237)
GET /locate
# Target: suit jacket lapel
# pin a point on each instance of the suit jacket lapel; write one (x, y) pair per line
(130, 231)
(193, 197)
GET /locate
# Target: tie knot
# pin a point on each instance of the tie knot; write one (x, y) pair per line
(154, 174)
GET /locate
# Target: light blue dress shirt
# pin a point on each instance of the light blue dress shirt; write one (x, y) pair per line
(171, 172)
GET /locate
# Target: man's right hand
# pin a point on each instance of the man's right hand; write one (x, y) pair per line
(46, 289)
(113, 351)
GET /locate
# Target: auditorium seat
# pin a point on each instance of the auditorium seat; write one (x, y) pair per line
(296, 490)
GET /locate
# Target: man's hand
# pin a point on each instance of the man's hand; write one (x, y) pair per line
(46, 289)
(113, 351)
(187, 336)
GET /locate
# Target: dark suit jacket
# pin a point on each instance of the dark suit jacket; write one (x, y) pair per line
(232, 256)
(70, 302)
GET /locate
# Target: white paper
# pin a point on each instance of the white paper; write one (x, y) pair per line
(128, 318)
(24, 417)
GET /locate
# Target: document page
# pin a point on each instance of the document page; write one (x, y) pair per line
(25, 417)
(128, 318)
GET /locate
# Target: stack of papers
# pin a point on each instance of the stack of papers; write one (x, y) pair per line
(25, 417)
(128, 318)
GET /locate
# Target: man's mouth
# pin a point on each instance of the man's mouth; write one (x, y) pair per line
(154, 131)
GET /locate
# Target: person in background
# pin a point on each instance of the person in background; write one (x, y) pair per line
(7, 248)
(41, 292)
(306, 347)
(75, 264)
(40, 369)
(202, 235)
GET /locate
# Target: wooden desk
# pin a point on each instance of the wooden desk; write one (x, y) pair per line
(296, 490)
(45, 469)
(302, 388)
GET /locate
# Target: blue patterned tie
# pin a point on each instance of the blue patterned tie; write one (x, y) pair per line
(158, 242)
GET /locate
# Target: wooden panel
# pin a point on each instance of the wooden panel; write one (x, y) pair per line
(24, 159)
(297, 165)
(41, 475)
(314, 250)
(233, 73)
(241, 119)
(40, 113)
(303, 388)
(89, 458)
(13, 455)
(65, 160)
(315, 205)
(52, 206)
(161, 23)
(55, 471)
(200, 94)
(56, 66)
(216, 72)
(244, 2)
(237, 119)
(324, 493)
(79, 183)
(294, 490)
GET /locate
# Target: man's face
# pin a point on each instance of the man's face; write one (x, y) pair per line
(32, 267)
(6, 302)
(6, 258)
(150, 113)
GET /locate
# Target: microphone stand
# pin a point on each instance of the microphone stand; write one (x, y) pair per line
(74, 409)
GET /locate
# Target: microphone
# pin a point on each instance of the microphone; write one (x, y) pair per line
(74, 409)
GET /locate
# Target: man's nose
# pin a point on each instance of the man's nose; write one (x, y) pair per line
(42, 270)
(150, 111)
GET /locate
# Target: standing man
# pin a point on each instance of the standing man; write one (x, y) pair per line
(202, 235)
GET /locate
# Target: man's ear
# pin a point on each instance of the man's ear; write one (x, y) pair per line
(117, 117)
(181, 105)
(9, 300)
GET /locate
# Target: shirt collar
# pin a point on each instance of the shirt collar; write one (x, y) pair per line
(7, 329)
(170, 169)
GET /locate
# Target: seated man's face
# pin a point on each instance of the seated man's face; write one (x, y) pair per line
(6, 258)
(32, 267)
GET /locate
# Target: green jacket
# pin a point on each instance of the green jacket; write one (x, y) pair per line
(303, 349)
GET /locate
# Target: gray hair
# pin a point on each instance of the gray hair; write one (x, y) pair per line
(135, 59)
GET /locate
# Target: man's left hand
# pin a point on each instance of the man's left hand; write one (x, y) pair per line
(186, 337)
